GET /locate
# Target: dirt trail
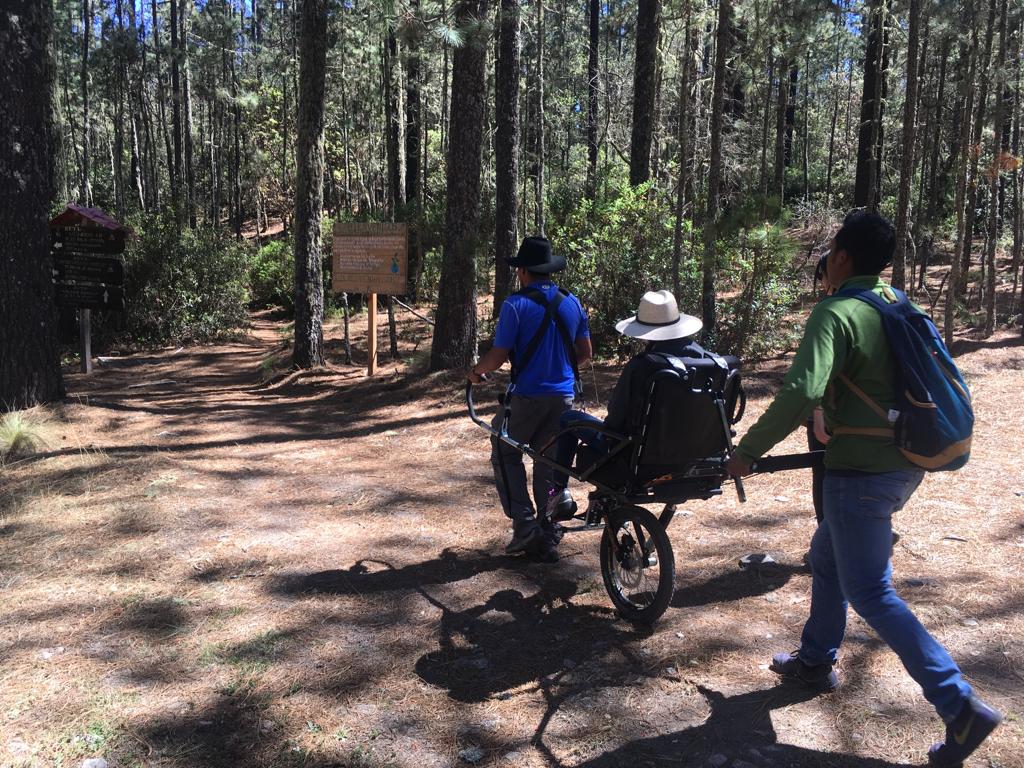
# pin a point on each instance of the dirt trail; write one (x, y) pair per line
(207, 570)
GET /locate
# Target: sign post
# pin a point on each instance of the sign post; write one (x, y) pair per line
(370, 258)
(371, 335)
(85, 338)
(87, 271)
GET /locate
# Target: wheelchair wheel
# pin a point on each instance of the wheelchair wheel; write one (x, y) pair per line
(637, 564)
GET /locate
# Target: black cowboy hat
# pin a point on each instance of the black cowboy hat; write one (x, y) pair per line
(535, 256)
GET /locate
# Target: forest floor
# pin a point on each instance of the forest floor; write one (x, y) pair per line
(209, 569)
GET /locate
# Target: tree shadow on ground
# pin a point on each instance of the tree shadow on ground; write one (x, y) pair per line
(965, 346)
(510, 640)
(451, 566)
(735, 585)
(739, 728)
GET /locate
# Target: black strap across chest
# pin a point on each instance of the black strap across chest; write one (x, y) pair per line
(537, 296)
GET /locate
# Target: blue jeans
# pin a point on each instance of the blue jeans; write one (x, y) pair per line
(850, 566)
(566, 445)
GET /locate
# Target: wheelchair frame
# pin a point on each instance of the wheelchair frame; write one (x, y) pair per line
(633, 538)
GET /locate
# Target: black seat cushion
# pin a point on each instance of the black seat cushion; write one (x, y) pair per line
(684, 423)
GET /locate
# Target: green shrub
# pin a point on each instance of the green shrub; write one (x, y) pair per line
(617, 249)
(272, 275)
(760, 285)
(184, 284)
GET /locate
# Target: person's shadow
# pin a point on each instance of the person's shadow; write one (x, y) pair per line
(510, 640)
(739, 728)
(452, 565)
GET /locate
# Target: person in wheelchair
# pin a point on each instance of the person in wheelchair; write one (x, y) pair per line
(670, 336)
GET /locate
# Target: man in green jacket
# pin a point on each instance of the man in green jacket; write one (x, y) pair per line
(867, 479)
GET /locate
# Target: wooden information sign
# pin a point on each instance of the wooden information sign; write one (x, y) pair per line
(370, 258)
(87, 274)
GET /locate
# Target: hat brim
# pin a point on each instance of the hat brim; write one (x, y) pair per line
(557, 264)
(686, 325)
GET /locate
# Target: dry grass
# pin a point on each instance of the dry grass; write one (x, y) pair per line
(23, 433)
(213, 573)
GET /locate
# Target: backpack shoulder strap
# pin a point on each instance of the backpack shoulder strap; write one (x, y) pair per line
(567, 341)
(872, 299)
(550, 312)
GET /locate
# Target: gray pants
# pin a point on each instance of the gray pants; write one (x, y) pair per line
(534, 420)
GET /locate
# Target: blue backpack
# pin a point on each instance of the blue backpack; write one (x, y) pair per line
(932, 418)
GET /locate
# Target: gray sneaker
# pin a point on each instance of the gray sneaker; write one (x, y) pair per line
(525, 539)
(560, 506)
(820, 677)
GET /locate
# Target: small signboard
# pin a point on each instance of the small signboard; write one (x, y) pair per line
(370, 258)
(89, 296)
(84, 268)
(85, 277)
(87, 240)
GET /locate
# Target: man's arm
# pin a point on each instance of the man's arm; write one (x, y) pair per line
(584, 350)
(492, 360)
(620, 403)
(822, 351)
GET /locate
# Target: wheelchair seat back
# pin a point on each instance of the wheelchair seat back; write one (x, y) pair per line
(687, 411)
(683, 420)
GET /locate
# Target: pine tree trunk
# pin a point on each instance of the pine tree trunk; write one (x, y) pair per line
(176, 132)
(685, 67)
(309, 151)
(779, 187)
(30, 373)
(506, 148)
(185, 12)
(392, 128)
(86, 192)
(413, 155)
(444, 85)
(765, 121)
(933, 170)
(804, 139)
(953, 290)
(878, 124)
(866, 136)
(454, 343)
(161, 101)
(994, 177)
(909, 140)
(1018, 219)
(538, 176)
(794, 76)
(121, 96)
(715, 169)
(594, 23)
(645, 77)
(973, 188)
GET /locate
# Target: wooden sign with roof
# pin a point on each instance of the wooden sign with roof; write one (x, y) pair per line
(88, 274)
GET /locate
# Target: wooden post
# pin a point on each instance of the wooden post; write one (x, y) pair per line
(85, 338)
(371, 336)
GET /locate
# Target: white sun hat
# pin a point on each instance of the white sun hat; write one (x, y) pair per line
(658, 319)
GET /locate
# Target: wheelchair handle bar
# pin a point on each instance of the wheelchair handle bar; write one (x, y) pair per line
(787, 462)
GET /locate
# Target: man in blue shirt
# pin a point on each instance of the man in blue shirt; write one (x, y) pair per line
(541, 329)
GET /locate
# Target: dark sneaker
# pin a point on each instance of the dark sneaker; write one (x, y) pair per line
(524, 539)
(546, 553)
(965, 734)
(560, 505)
(820, 677)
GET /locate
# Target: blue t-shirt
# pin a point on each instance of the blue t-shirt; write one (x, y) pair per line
(549, 371)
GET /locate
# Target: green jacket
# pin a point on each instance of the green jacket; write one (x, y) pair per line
(843, 336)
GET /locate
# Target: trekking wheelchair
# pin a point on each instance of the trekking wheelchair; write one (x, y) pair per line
(678, 456)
